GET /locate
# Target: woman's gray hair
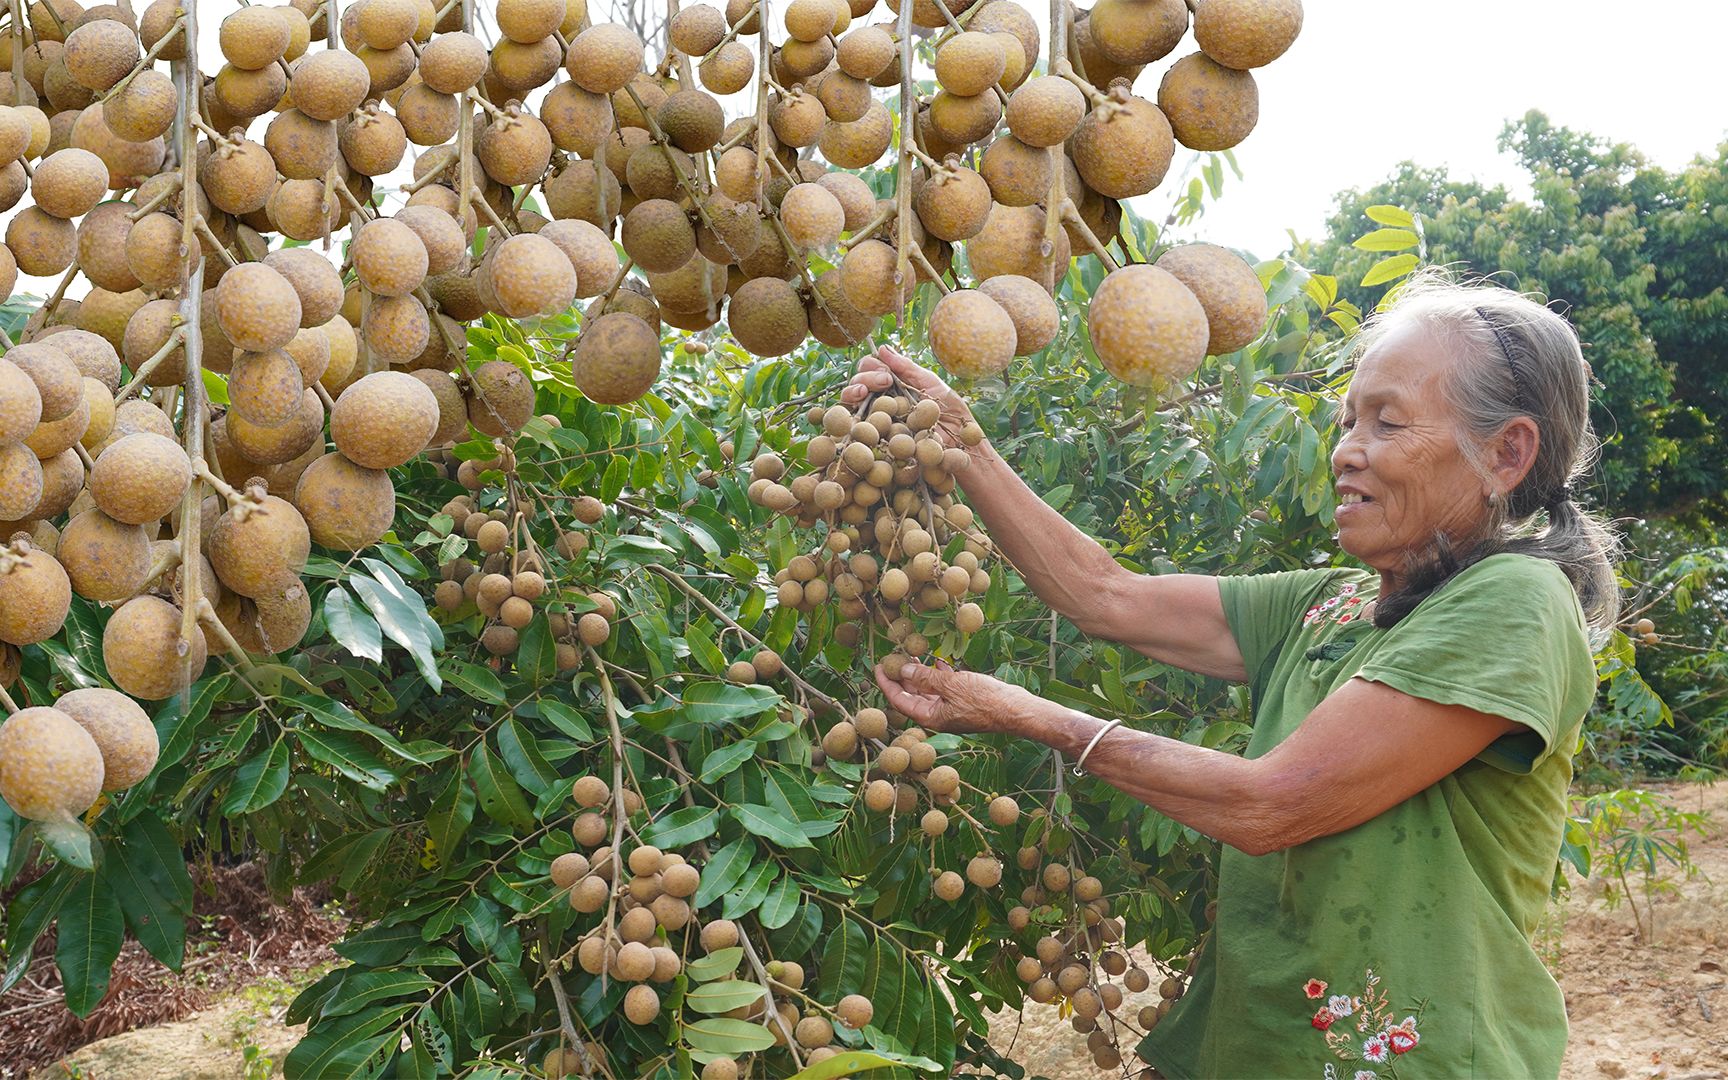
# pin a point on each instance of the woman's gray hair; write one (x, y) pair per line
(1519, 359)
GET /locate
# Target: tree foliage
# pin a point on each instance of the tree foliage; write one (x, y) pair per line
(1639, 256)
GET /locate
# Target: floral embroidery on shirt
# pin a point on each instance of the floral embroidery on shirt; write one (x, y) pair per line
(1377, 1038)
(1343, 608)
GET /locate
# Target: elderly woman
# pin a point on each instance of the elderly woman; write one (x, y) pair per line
(1391, 832)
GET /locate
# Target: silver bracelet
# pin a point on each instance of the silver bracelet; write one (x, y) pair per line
(1103, 731)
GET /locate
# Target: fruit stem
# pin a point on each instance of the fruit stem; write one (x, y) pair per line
(877, 222)
(194, 410)
(229, 493)
(53, 303)
(204, 613)
(714, 610)
(6, 699)
(1053, 216)
(176, 338)
(563, 1002)
(803, 265)
(149, 58)
(762, 972)
(169, 190)
(18, 80)
(732, 32)
(903, 174)
(924, 264)
(203, 228)
(618, 810)
(763, 53)
(1071, 217)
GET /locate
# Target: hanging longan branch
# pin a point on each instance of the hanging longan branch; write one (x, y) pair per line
(194, 410)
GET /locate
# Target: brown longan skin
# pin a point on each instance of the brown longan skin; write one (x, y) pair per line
(347, 507)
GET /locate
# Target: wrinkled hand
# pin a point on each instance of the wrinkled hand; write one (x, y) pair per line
(878, 370)
(960, 702)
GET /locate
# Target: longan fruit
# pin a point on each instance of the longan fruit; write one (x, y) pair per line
(590, 791)
(718, 934)
(589, 829)
(567, 868)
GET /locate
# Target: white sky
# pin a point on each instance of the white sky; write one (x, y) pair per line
(1370, 83)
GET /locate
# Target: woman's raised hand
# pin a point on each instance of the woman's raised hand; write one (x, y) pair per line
(878, 370)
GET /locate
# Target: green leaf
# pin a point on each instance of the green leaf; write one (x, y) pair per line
(335, 714)
(524, 759)
(147, 875)
(537, 653)
(723, 870)
(565, 719)
(259, 781)
(748, 896)
(69, 839)
(451, 814)
(1389, 268)
(177, 721)
(29, 913)
(842, 969)
(683, 827)
(1387, 240)
(703, 650)
(361, 989)
(342, 1049)
(90, 931)
(718, 1035)
(716, 964)
(499, 796)
(849, 1062)
(379, 946)
(780, 904)
(727, 759)
(1395, 216)
(718, 702)
(476, 680)
(405, 622)
(724, 996)
(617, 472)
(351, 627)
(347, 755)
(770, 825)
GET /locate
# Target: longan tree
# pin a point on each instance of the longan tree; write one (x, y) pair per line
(486, 537)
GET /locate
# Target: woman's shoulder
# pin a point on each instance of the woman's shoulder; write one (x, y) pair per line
(1509, 594)
(1528, 574)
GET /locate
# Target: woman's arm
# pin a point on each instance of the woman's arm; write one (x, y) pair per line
(1362, 751)
(1176, 619)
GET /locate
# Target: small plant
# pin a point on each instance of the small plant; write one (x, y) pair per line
(1634, 834)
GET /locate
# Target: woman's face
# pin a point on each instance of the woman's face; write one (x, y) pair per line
(1401, 474)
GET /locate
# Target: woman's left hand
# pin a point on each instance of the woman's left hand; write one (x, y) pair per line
(960, 702)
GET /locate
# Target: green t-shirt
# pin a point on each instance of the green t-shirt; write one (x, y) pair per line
(1400, 947)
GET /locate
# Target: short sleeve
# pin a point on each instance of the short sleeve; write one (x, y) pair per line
(1263, 610)
(1505, 637)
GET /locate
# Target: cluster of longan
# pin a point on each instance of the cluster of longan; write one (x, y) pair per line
(510, 584)
(903, 775)
(1077, 956)
(56, 761)
(901, 556)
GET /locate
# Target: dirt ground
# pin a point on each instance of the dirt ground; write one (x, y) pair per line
(1638, 1011)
